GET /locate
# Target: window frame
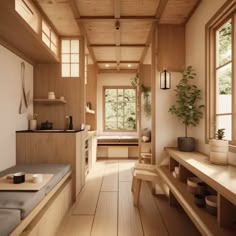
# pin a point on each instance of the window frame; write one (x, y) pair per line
(104, 110)
(80, 61)
(225, 13)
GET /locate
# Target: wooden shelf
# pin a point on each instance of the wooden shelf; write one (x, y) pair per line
(49, 101)
(206, 223)
(90, 111)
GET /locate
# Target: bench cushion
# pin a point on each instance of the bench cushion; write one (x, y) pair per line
(26, 201)
(9, 219)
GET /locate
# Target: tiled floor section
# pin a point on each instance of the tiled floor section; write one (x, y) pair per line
(105, 207)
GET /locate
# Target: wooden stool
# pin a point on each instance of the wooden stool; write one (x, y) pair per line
(146, 176)
(141, 166)
(146, 157)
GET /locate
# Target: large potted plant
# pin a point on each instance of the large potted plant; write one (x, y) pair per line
(187, 108)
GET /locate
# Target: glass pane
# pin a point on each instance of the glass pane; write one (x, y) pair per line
(120, 125)
(75, 58)
(46, 28)
(110, 95)
(46, 40)
(74, 70)
(225, 122)
(120, 95)
(54, 38)
(65, 70)
(224, 84)
(130, 95)
(65, 46)
(110, 112)
(130, 125)
(75, 46)
(54, 48)
(110, 126)
(224, 44)
(65, 58)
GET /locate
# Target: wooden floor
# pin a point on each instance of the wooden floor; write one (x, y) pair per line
(105, 207)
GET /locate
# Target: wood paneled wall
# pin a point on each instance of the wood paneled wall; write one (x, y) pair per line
(171, 47)
(91, 96)
(47, 78)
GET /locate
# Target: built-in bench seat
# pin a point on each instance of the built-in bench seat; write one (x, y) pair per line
(23, 202)
(117, 146)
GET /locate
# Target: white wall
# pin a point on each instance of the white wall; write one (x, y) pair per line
(10, 91)
(195, 55)
(109, 79)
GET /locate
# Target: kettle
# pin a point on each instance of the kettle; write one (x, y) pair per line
(46, 125)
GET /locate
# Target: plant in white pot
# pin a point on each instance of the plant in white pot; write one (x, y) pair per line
(187, 108)
(219, 148)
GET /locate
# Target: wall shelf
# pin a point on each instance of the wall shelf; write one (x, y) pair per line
(90, 111)
(49, 101)
(219, 178)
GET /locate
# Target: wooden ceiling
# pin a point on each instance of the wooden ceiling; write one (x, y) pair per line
(117, 32)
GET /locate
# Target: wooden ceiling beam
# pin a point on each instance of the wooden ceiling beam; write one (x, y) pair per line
(161, 8)
(114, 62)
(74, 9)
(112, 19)
(134, 71)
(121, 45)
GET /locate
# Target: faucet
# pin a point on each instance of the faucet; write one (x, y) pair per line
(70, 122)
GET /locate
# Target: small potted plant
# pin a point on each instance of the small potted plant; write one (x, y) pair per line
(219, 148)
(187, 108)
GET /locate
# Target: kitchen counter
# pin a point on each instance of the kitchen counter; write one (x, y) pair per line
(50, 131)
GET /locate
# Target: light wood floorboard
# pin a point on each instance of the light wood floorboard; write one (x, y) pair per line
(125, 173)
(76, 225)
(129, 218)
(153, 224)
(87, 201)
(105, 207)
(110, 180)
(105, 221)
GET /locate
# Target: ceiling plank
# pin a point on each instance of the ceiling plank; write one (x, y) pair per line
(117, 9)
(107, 62)
(160, 8)
(193, 10)
(76, 14)
(111, 18)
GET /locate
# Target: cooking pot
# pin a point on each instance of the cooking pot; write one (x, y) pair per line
(46, 125)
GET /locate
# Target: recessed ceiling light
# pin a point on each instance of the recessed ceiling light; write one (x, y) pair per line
(129, 65)
(107, 65)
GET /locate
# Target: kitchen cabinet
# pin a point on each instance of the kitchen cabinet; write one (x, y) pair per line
(92, 148)
(54, 147)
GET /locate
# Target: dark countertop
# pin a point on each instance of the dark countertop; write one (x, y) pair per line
(50, 131)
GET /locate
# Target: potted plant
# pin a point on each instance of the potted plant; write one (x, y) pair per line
(186, 108)
(219, 148)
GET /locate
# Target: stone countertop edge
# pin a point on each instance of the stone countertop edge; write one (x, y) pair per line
(49, 131)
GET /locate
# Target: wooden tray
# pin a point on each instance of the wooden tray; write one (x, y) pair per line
(28, 185)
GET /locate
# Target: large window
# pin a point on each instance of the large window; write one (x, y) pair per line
(70, 58)
(120, 109)
(221, 73)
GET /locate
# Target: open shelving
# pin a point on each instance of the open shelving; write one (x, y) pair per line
(220, 178)
(49, 101)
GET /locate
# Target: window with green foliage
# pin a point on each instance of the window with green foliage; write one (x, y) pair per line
(120, 109)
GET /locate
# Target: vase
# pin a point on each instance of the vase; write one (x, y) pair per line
(218, 151)
(186, 144)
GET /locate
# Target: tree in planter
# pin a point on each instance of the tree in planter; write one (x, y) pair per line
(186, 108)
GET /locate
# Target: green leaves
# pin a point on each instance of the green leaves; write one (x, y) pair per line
(186, 108)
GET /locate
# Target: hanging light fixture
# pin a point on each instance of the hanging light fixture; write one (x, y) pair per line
(165, 79)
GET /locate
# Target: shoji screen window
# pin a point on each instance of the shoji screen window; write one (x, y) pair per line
(70, 58)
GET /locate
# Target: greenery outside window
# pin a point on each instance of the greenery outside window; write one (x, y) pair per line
(70, 58)
(120, 109)
(220, 73)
